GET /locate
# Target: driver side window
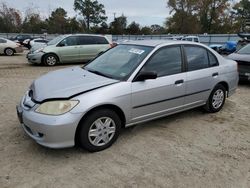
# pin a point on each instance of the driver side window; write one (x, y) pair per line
(166, 61)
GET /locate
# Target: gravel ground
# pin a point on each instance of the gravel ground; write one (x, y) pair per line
(190, 149)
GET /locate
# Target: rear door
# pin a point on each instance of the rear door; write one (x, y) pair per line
(202, 74)
(69, 50)
(152, 98)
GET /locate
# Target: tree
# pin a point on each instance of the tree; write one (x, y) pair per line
(146, 30)
(10, 19)
(134, 28)
(92, 11)
(57, 22)
(213, 15)
(199, 16)
(73, 26)
(32, 22)
(242, 13)
(157, 29)
(184, 18)
(119, 25)
(103, 29)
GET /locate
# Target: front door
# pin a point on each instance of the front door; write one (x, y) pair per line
(164, 95)
(69, 50)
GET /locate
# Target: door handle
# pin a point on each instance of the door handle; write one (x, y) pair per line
(179, 82)
(215, 74)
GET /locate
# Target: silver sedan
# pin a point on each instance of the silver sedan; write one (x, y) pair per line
(134, 82)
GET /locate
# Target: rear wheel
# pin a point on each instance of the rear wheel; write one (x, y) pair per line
(9, 52)
(99, 130)
(50, 60)
(216, 99)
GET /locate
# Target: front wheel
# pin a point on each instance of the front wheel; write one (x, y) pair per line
(50, 60)
(216, 99)
(99, 130)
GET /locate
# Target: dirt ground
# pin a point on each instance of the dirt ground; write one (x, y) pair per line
(190, 149)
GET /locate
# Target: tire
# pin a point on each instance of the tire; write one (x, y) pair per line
(94, 135)
(216, 99)
(9, 52)
(50, 60)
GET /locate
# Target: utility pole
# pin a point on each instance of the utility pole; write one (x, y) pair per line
(114, 15)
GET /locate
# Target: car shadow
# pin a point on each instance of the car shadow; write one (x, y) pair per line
(244, 83)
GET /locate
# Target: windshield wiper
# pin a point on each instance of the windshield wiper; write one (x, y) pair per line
(98, 73)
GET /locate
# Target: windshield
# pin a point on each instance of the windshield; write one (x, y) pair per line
(119, 62)
(244, 50)
(55, 40)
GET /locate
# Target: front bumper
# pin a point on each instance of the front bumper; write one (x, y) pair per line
(35, 57)
(49, 131)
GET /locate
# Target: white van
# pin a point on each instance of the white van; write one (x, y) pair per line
(191, 38)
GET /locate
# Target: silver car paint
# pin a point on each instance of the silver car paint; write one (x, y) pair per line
(239, 57)
(74, 80)
(130, 97)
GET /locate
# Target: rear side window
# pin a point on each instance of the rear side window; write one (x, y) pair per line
(197, 58)
(212, 60)
(166, 61)
(90, 40)
(3, 41)
(85, 40)
(100, 40)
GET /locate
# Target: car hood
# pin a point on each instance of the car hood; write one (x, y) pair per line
(239, 57)
(66, 83)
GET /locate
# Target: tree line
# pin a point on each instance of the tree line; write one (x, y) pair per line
(186, 17)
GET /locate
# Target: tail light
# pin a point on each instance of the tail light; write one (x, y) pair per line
(113, 45)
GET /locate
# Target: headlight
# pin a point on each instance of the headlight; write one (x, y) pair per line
(56, 107)
(39, 50)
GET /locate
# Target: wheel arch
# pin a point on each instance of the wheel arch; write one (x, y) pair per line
(224, 84)
(113, 107)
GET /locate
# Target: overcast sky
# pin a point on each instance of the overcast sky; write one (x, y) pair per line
(145, 12)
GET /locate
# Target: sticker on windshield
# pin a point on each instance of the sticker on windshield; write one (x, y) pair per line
(136, 51)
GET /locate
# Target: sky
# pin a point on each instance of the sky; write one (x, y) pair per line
(145, 12)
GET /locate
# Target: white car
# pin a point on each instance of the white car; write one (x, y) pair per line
(9, 47)
(39, 41)
(191, 39)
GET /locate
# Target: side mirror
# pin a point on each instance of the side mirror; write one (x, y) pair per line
(142, 76)
(61, 44)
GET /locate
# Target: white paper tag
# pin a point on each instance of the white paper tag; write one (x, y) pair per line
(136, 51)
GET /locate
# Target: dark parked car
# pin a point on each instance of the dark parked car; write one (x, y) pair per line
(20, 38)
(242, 57)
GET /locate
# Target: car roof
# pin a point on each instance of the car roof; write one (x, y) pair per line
(154, 43)
(191, 36)
(92, 35)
